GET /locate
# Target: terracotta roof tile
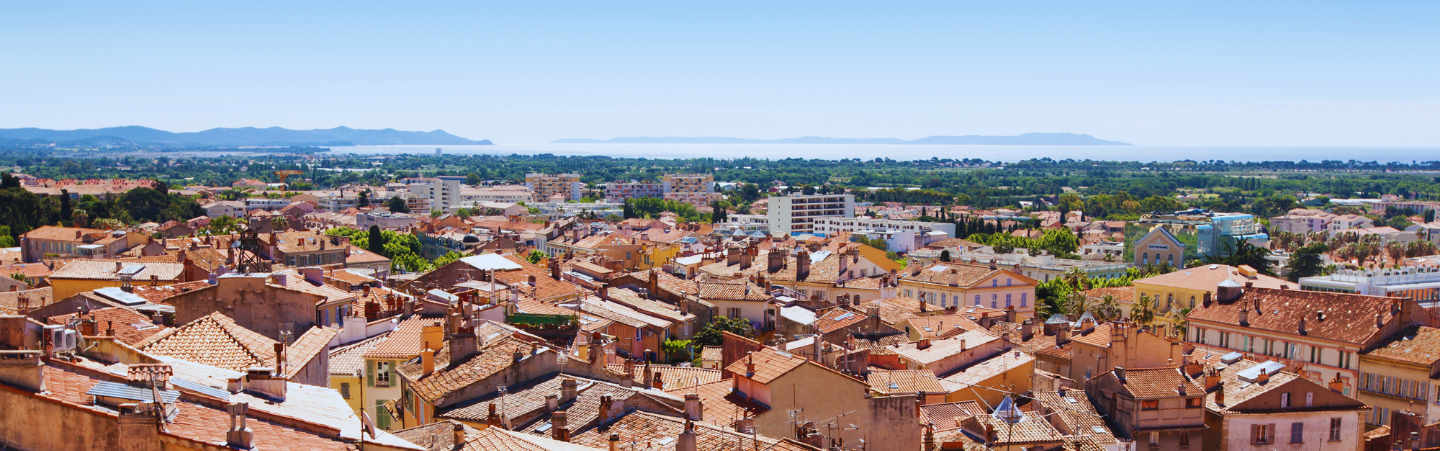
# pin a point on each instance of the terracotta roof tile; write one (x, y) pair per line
(213, 340)
(739, 290)
(904, 381)
(947, 415)
(1076, 411)
(1158, 382)
(158, 294)
(967, 274)
(895, 310)
(980, 372)
(404, 342)
(205, 424)
(1417, 344)
(1204, 278)
(53, 233)
(129, 327)
(105, 270)
(838, 318)
(652, 429)
(769, 365)
(344, 360)
(450, 376)
(680, 378)
(934, 326)
(39, 297)
(1349, 318)
(307, 347)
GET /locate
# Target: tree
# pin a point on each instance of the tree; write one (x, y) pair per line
(65, 209)
(364, 200)
(535, 257)
(945, 255)
(397, 205)
(1144, 311)
(712, 335)
(472, 179)
(279, 223)
(463, 213)
(376, 240)
(9, 181)
(1305, 262)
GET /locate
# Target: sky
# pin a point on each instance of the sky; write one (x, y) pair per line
(1149, 73)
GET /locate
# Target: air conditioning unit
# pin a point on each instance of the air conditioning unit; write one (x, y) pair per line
(61, 339)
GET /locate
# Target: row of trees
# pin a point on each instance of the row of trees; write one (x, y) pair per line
(404, 250)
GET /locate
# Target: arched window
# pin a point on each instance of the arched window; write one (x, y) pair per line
(1145, 258)
(1192, 301)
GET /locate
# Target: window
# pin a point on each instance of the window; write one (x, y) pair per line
(734, 313)
(1184, 439)
(1192, 301)
(345, 390)
(1007, 281)
(1334, 429)
(1262, 434)
(1284, 400)
(1194, 403)
(1152, 404)
(1024, 297)
(1154, 439)
(977, 304)
(1297, 432)
(382, 374)
(1007, 300)
(994, 282)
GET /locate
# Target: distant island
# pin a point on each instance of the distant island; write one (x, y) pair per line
(246, 136)
(1028, 139)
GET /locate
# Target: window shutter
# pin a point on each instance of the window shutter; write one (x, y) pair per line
(369, 373)
(393, 379)
(1270, 434)
(1255, 434)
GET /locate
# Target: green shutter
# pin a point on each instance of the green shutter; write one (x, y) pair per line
(394, 378)
(382, 416)
(369, 373)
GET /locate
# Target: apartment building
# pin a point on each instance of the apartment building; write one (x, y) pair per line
(1318, 335)
(1344, 223)
(1396, 376)
(962, 284)
(693, 189)
(620, 191)
(746, 223)
(797, 213)
(1421, 283)
(442, 191)
(1302, 220)
(52, 242)
(387, 221)
(217, 209)
(901, 235)
(265, 203)
(1156, 407)
(512, 194)
(543, 186)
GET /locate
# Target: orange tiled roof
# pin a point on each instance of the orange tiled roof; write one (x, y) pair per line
(105, 270)
(1204, 278)
(38, 297)
(904, 381)
(404, 342)
(769, 365)
(1348, 318)
(645, 427)
(450, 376)
(129, 327)
(968, 275)
(213, 340)
(1416, 344)
(1158, 382)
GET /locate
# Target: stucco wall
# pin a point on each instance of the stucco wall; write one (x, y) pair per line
(34, 423)
(252, 303)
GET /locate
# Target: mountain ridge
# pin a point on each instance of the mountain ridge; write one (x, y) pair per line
(1027, 139)
(244, 136)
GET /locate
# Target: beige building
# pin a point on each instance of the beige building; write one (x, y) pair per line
(1185, 288)
(1257, 406)
(51, 242)
(1396, 375)
(1156, 407)
(1096, 349)
(542, 186)
(693, 189)
(958, 284)
(1160, 247)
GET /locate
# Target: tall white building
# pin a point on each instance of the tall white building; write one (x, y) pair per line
(797, 213)
(901, 235)
(442, 191)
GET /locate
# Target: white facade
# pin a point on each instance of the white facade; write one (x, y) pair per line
(747, 223)
(901, 235)
(267, 204)
(797, 213)
(225, 208)
(442, 192)
(510, 194)
(1419, 283)
(398, 221)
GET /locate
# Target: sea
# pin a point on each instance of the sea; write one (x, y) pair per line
(910, 152)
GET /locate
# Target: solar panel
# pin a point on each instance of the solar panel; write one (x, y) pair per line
(200, 388)
(844, 316)
(122, 391)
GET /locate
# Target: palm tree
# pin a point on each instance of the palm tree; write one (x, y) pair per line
(1078, 304)
(1396, 251)
(1144, 311)
(1051, 307)
(1108, 310)
(279, 222)
(1181, 321)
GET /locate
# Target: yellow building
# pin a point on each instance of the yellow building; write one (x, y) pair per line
(79, 276)
(693, 189)
(1396, 376)
(956, 284)
(543, 186)
(1186, 288)
(347, 366)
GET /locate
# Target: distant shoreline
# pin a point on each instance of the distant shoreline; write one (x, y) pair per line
(1027, 139)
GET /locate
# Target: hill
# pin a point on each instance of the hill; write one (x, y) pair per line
(246, 136)
(1028, 139)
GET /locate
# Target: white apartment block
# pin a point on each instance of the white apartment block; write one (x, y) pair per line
(267, 204)
(442, 191)
(1346, 222)
(746, 223)
(797, 213)
(620, 191)
(901, 235)
(388, 221)
(511, 194)
(1301, 220)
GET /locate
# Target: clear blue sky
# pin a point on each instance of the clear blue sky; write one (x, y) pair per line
(1154, 73)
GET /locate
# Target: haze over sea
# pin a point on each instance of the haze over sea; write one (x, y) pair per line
(905, 152)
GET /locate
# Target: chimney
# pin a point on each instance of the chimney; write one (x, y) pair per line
(559, 429)
(607, 404)
(802, 265)
(924, 343)
(1062, 334)
(494, 418)
(614, 442)
(552, 402)
(282, 361)
(23, 369)
(750, 365)
(1212, 378)
(692, 407)
(658, 382)
(432, 336)
(118, 265)
(1302, 325)
(459, 437)
(568, 391)
(427, 362)
(463, 345)
(240, 436)
(1379, 320)
(1027, 330)
(1263, 377)
(282, 280)
(1120, 373)
(1249, 284)
(687, 438)
(1220, 393)
(139, 428)
(1205, 300)
(1337, 385)
(180, 256)
(1244, 317)
(1180, 389)
(952, 278)
(775, 260)
(314, 275)
(1010, 314)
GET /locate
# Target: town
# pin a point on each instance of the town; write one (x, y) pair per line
(299, 305)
